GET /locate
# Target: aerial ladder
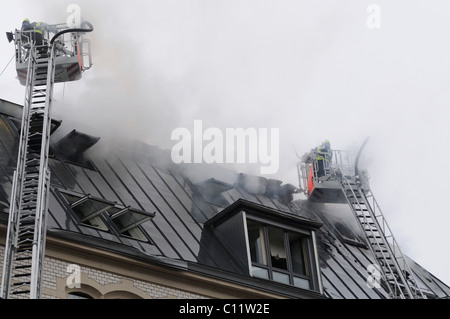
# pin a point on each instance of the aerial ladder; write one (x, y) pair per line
(39, 66)
(343, 182)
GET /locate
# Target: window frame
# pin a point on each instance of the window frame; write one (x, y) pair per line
(105, 219)
(311, 278)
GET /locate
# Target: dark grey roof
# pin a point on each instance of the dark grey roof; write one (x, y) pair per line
(183, 199)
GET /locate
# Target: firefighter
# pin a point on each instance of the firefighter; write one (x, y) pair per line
(27, 27)
(324, 156)
(39, 36)
(34, 31)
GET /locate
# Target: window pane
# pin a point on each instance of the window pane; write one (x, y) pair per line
(129, 220)
(297, 245)
(86, 207)
(96, 222)
(280, 277)
(277, 248)
(301, 282)
(256, 242)
(78, 295)
(260, 272)
(89, 208)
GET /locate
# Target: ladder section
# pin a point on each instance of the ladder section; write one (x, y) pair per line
(393, 265)
(25, 243)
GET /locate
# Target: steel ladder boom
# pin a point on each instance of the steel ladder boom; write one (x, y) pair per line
(25, 242)
(392, 263)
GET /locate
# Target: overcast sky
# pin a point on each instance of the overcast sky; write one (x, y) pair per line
(313, 69)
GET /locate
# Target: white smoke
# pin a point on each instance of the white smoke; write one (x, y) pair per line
(312, 69)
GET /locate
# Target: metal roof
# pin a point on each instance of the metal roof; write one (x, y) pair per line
(142, 177)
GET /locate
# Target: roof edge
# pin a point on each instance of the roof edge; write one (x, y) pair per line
(11, 109)
(242, 204)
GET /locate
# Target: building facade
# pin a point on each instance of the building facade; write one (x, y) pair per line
(125, 222)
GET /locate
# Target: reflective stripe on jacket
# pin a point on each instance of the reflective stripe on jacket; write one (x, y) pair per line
(37, 27)
(323, 154)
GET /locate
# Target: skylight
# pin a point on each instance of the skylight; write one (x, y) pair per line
(128, 218)
(107, 215)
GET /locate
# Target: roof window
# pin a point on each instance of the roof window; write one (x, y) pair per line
(107, 215)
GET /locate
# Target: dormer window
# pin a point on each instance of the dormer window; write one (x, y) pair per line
(272, 245)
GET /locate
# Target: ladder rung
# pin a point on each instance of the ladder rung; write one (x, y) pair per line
(21, 275)
(28, 175)
(28, 213)
(31, 156)
(26, 235)
(27, 223)
(31, 216)
(33, 144)
(30, 186)
(25, 238)
(22, 267)
(23, 283)
(38, 108)
(29, 192)
(23, 250)
(31, 176)
(28, 218)
(37, 122)
(35, 139)
(20, 292)
(27, 228)
(23, 258)
(31, 182)
(33, 162)
(31, 169)
(41, 98)
(28, 197)
(39, 95)
(29, 205)
(25, 244)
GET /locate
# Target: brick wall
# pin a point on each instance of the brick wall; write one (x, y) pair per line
(100, 284)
